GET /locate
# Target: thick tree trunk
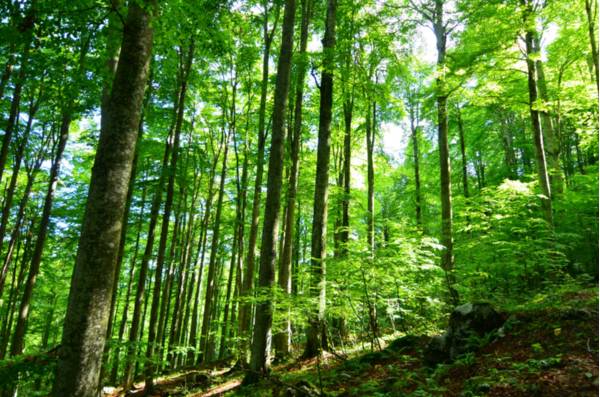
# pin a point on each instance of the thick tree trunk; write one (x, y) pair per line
(121, 252)
(261, 338)
(316, 326)
(84, 332)
(282, 340)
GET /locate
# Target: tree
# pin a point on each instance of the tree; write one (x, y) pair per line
(315, 333)
(259, 362)
(93, 276)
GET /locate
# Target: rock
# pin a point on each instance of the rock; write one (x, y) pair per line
(467, 323)
(375, 357)
(437, 350)
(469, 320)
(302, 388)
(404, 343)
(479, 318)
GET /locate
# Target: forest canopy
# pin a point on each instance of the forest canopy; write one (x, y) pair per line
(187, 184)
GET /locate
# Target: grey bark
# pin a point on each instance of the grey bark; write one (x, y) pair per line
(261, 338)
(315, 332)
(84, 332)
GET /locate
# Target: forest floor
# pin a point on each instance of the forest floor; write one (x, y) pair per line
(549, 348)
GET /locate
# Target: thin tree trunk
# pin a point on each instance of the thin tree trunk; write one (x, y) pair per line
(538, 138)
(315, 331)
(206, 337)
(7, 204)
(551, 137)
(84, 332)
(591, 14)
(162, 244)
(201, 249)
(461, 135)
(414, 128)
(439, 27)
(370, 135)
(16, 98)
(134, 333)
(20, 328)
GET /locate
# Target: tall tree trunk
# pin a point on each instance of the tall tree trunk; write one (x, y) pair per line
(162, 244)
(370, 135)
(248, 279)
(538, 138)
(123, 240)
(84, 332)
(7, 204)
(510, 161)
(315, 331)
(439, 27)
(134, 334)
(200, 264)
(414, 130)
(551, 137)
(282, 340)
(345, 232)
(591, 13)
(261, 338)
(16, 98)
(206, 337)
(20, 328)
(123, 323)
(463, 154)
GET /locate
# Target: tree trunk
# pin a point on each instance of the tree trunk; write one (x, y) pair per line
(414, 129)
(162, 244)
(282, 340)
(316, 326)
(16, 98)
(201, 250)
(7, 203)
(134, 333)
(591, 18)
(439, 27)
(20, 328)
(123, 323)
(206, 338)
(551, 137)
(248, 279)
(370, 135)
(461, 135)
(84, 332)
(538, 138)
(261, 339)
